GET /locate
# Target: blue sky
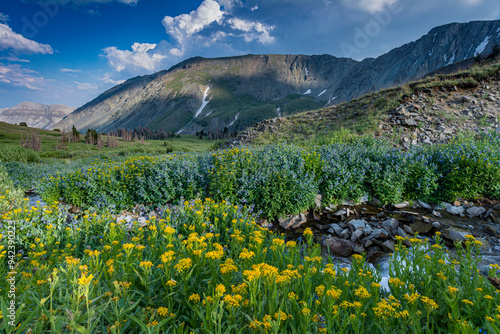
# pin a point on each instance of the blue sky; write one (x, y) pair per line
(70, 51)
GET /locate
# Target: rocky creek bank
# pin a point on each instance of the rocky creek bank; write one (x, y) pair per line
(367, 228)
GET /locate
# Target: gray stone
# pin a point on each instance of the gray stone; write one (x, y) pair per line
(340, 213)
(345, 233)
(358, 248)
(368, 230)
(454, 235)
(454, 210)
(363, 199)
(317, 201)
(424, 205)
(391, 224)
(356, 235)
(437, 226)
(421, 227)
(497, 206)
(401, 205)
(293, 222)
(380, 233)
(339, 247)
(436, 213)
(408, 229)
(335, 228)
(475, 211)
(356, 224)
(401, 233)
(389, 246)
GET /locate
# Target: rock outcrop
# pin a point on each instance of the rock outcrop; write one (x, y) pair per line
(35, 115)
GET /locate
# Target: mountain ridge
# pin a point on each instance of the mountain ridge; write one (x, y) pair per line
(36, 115)
(246, 89)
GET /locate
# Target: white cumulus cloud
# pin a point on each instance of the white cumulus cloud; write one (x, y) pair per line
(16, 75)
(253, 30)
(10, 40)
(85, 85)
(107, 79)
(142, 57)
(185, 25)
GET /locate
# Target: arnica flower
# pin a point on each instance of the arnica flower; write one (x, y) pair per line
(183, 265)
(146, 264)
(307, 232)
(194, 298)
(429, 303)
(85, 280)
(167, 257)
(171, 283)
(162, 312)
(362, 293)
(228, 266)
(466, 301)
(451, 289)
(169, 230)
(220, 289)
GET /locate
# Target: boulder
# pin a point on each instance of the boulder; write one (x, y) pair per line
(391, 224)
(491, 230)
(356, 235)
(335, 228)
(339, 247)
(454, 235)
(475, 211)
(454, 210)
(424, 205)
(357, 224)
(421, 227)
(389, 246)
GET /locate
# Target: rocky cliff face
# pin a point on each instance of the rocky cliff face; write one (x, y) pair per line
(36, 115)
(236, 92)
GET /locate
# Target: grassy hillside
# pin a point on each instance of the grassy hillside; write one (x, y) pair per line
(10, 149)
(364, 116)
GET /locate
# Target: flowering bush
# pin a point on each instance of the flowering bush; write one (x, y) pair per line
(206, 267)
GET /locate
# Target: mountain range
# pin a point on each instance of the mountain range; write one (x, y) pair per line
(235, 92)
(35, 115)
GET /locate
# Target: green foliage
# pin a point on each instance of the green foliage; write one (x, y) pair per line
(207, 267)
(19, 154)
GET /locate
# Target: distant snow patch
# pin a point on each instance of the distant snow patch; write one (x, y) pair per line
(278, 111)
(467, 55)
(307, 92)
(482, 46)
(331, 100)
(307, 72)
(235, 119)
(498, 31)
(445, 58)
(178, 132)
(431, 52)
(452, 59)
(434, 38)
(323, 92)
(203, 103)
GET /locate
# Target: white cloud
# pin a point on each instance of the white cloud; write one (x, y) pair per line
(69, 70)
(371, 6)
(85, 85)
(18, 76)
(14, 59)
(253, 30)
(186, 25)
(9, 40)
(4, 17)
(142, 57)
(107, 79)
